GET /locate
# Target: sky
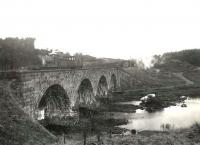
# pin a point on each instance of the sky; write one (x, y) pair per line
(104, 28)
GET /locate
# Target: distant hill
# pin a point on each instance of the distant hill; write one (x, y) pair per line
(163, 72)
(186, 62)
(175, 65)
(180, 59)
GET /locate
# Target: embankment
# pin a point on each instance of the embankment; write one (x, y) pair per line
(16, 127)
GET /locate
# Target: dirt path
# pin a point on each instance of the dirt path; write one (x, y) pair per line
(181, 76)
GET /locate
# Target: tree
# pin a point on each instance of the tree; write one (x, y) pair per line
(140, 64)
(156, 60)
(191, 56)
(16, 53)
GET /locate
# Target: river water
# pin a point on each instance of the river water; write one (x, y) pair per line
(176, 116)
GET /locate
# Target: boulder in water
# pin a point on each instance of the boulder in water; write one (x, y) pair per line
(145, 98)
(133, 131)
(183, 105)
(182, 97)
(152, 103)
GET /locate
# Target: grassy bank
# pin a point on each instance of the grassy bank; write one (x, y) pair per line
(189, 136)
(16, 128)
(171, 94)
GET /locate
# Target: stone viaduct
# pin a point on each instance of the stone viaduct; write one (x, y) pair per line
(59, 91)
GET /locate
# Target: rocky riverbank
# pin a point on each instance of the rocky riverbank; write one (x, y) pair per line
(165, 96)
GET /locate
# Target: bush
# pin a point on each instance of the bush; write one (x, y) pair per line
(153, 104)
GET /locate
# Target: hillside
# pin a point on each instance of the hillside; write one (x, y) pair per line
(189, 71)
(150, 78)
(175, 65)
(16, 128)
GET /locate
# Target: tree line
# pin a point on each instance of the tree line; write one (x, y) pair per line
(190, 56)
(17, 53)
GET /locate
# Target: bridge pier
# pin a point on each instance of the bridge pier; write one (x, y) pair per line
(33, 85)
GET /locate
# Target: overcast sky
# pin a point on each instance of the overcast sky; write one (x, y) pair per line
(104, 28)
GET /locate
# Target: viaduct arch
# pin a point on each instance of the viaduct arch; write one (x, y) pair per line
(71, 88)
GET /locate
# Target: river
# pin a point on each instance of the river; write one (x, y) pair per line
(176, 116)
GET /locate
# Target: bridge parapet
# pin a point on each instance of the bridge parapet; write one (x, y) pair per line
(35, 83)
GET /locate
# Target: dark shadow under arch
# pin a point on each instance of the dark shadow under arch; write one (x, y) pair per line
(54, 101)
(85, 94)
(102, 88)
(113, 82)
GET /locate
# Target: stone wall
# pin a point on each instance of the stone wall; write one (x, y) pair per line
(33, 84)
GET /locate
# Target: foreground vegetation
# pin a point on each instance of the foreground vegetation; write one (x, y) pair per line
(16, 127)
(177, 137)
(188, 136)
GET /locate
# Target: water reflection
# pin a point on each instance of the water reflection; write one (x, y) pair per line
(131, 102)
(176, 116)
